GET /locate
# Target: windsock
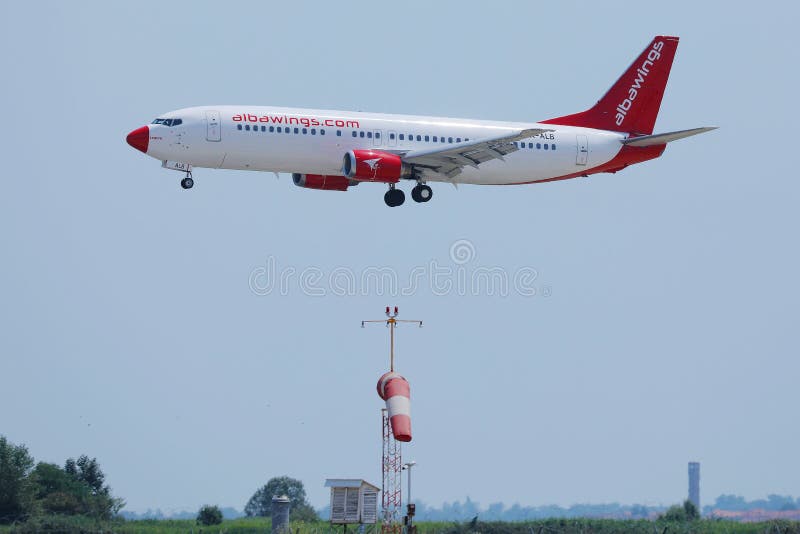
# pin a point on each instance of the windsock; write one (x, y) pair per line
(394, 389)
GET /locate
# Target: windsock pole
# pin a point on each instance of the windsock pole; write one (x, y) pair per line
(393, 388)
(396, 427)
(391, 322)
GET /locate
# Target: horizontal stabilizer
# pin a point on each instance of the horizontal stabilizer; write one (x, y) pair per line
(661, 139)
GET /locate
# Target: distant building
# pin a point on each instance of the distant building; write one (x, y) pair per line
(694, 484)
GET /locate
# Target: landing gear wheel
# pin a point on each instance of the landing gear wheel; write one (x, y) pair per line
(187, 182)
(421, 193)
(394, 197)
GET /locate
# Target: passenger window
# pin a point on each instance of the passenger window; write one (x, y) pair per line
(271, 129)
(305, 131)
(419, 138)
(247, 127)
(297, 130)
(322, 131)
(279, 129)
(545, 146)
(391, 136)
(238, 126)
(377, 135)
(361, 134)
(449, 139)
(355, 134)
(313, 131)
(369, 135)
(538, 146)
(338, 133)
(435, 139)
(427, 138)
(530, 145)
(287, 130)
(552, 147)
(458, 139)
(263, 128)
(402, 136)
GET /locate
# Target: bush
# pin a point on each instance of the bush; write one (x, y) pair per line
(209, 515)
(63, 524)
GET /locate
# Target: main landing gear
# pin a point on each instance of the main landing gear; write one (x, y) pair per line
(187, 182)
(421, 193)
(394, 197)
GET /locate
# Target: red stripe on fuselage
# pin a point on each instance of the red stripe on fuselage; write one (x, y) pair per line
(628, 155)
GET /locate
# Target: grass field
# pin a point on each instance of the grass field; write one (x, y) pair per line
(550, 526)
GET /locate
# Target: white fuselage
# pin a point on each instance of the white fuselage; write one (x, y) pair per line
(314, 141)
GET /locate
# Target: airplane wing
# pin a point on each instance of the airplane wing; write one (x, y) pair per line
(661, 139)
(449, 160)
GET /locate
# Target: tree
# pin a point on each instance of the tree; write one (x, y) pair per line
(77, 489)
(87, 471)
(57, 491)
(686, 512)
(15, 491)
(691, 510)
(260, 504)
(304, 512)
(209, 515)
(730, 502)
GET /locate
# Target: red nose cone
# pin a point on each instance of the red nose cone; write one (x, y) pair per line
(139, 138)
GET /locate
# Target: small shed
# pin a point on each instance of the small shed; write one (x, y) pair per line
(353, 501)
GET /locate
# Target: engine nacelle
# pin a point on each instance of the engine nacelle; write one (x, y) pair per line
(373, 166)
(320, 181)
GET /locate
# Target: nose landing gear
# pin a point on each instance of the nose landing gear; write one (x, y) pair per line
(187, 182)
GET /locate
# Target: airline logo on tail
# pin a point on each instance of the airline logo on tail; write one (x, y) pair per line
(641, 73)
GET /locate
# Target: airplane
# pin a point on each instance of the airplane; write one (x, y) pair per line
(334, 150)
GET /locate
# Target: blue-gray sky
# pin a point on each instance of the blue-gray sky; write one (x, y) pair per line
(663, 329)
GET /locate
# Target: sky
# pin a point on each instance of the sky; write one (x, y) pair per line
(651, 315)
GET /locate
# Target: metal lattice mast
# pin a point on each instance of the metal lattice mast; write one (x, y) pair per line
(391, 466)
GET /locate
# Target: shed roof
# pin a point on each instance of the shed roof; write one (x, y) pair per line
(348, 483)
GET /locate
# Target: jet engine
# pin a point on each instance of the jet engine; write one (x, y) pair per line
(373, 166)
(320, 181)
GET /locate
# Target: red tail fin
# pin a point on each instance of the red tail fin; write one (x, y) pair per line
(631, 105)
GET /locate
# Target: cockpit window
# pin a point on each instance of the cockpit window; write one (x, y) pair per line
(168, 122)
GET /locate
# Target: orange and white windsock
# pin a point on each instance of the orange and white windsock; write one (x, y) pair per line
(394, 389)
